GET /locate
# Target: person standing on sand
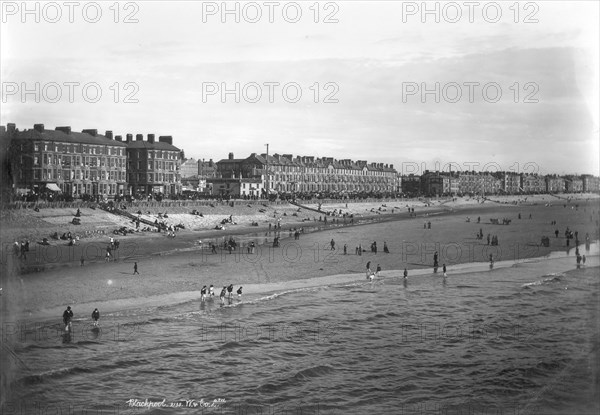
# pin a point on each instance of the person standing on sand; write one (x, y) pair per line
(135, 271)
(67, 317)
(345, 249)
(95, 317)
(222, 295)
(239, 293)
(203, 293)
(405, 273)
(444, 269)
(378, 270)
(491, 261)
(230, 290)
(211, 290)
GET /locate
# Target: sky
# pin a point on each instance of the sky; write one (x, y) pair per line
(424, 86)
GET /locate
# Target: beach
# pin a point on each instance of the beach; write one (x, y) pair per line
(55, 277)
(309, 322)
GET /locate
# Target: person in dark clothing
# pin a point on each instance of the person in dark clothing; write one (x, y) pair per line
(444, 269)
(203, 293)
(223, 294)
(95, 316)
(135, 271)
(230, 290)
(405, 273)
(67, 317)
(239, 292)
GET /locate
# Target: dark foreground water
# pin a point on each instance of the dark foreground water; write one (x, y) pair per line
(515, 340)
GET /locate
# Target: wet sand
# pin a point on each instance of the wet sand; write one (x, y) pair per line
(180, 267)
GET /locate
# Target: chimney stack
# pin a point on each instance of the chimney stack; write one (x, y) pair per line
(230, 157)
(129, 138)
(108, 134)
(119, 138)
(91, 131)
(166, 139)
(66, 130)
(151, 138)
(139, 137)
(11, 127)
(39, 128)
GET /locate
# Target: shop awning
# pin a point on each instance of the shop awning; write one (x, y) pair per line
(53, 187)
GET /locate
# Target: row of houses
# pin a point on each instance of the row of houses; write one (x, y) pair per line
(107, 166)
(285, 174)
(495, 183)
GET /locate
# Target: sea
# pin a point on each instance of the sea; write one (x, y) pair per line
(516, 338)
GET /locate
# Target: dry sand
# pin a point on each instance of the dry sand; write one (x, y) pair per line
(180, 265)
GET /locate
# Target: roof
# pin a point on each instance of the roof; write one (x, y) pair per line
(73, 137)
(157, 145)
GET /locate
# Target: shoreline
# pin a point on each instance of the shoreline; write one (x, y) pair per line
(181, 267)
(265, 291)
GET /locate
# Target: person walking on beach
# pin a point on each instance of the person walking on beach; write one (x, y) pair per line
(211, 290)
(332, 245)
(230, 290)
(222, 295)
(360, 249)
(67, 317)
(203, 293)
(385, 247)
(368, 265)
(491, 261)
(239, 292)
(405, 273)
(435, 259)
(345, 249)
(135, 271)
(95, 317)
(444, 269)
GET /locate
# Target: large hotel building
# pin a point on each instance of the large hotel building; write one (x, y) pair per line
(88, 163)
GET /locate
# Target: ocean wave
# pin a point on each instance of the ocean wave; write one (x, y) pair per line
(546, 279)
